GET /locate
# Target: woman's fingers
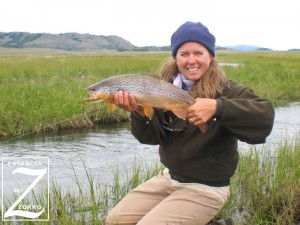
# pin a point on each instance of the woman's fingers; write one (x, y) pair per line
(125, 100)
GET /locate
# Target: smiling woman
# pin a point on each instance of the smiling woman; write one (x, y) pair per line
(204, 165)
(193, 60)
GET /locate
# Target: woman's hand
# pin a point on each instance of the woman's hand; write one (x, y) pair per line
(127, 102)
(202, 111)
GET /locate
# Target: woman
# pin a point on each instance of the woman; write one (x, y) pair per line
(195, 184)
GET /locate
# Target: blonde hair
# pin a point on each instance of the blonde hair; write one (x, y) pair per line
(210, 85)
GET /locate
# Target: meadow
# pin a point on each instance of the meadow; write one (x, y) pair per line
(45, 92)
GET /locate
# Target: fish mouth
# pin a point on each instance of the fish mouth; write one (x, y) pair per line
(96, 97)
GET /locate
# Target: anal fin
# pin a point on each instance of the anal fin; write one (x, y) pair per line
(148, 111)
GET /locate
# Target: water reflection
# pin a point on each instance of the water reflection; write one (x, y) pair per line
(103, 150)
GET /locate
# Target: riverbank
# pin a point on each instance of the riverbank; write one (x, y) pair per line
(265, 190)
(43, 93)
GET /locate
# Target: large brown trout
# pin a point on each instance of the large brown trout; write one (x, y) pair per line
(149, 92)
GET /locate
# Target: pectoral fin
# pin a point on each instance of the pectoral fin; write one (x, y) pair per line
(111, 107)
(148, 111)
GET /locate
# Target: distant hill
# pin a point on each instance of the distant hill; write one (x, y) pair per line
(245, 47)
(88, 42)
(294, 50)
(70, 42)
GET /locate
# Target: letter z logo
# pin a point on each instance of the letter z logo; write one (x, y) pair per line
(25, 189)
(29, 172)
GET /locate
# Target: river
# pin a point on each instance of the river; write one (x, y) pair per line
(103, 150)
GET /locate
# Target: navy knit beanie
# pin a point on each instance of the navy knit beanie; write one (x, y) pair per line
(192, 32)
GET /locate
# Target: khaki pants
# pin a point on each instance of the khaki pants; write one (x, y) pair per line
(164, 201)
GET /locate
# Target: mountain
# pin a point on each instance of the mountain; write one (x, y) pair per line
(87, 42)
(70, 42)
(294, 50)
(244, 47)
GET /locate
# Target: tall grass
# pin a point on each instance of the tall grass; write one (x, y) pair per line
(272, 75)
(89, 204)
(46, 92)
(264, 191)
(266, 188)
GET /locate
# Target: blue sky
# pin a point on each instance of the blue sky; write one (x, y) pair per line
(267, 23)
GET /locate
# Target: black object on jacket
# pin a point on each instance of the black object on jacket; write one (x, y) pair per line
(210, 157)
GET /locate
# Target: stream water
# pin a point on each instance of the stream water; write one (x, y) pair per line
(103, 150)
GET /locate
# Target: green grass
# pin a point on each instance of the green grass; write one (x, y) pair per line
(266, 187)
(264, 191)
(272, 75)
(45, 92)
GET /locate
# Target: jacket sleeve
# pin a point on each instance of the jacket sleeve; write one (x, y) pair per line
(246, 115)
(148, 131)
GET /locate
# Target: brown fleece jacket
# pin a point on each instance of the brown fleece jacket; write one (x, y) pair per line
(211, 156)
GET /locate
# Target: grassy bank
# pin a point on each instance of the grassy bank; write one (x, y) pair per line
(266, 188)
(264, 191)
(45, 92)
(272, 75)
